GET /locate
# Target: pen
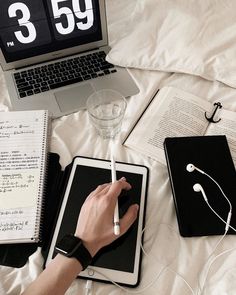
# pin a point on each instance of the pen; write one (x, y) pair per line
(116, 219)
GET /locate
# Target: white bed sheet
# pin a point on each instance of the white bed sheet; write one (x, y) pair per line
(169, 253)
(195, 37)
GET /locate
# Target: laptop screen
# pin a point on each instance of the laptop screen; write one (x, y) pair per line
(31, 28)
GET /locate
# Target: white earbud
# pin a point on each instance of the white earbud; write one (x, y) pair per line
(191, 168)
(198, 188)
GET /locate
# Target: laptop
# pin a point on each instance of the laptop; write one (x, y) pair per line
(53, 54)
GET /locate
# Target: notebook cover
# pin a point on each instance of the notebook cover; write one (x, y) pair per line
(212, 155)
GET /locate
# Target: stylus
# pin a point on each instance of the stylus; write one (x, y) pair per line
(116, 219)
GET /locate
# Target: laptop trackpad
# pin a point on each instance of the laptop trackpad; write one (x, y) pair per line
(73, 98)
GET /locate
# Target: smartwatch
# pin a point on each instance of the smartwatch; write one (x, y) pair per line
(72, 246)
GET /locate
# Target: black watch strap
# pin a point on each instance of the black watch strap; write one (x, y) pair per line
(72, 246)
(83, 255)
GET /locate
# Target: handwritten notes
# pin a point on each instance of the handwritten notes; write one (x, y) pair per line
(16, 221)
(18, 188)
(22, 165)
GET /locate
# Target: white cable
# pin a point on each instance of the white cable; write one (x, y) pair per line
(132, 291)
(167, 267)
(230, 205)
(88, 287)
(201, 288)
(222, 253)
(155, 279)
(227, 223)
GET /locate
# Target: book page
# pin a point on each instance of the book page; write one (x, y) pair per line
(172, 113)
(226, 126)
(22, 161)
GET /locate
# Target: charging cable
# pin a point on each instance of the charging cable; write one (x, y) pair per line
(157, 276)
(201, 286)
(88, 287)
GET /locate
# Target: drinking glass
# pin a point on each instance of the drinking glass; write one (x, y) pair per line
(106, 109)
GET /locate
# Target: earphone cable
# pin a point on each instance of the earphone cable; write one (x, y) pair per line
(157, 276)
(230, 205)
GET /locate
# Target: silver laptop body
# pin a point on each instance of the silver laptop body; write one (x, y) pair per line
(41, 37)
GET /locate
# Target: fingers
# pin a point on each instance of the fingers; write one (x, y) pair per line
(128, 219)
(116, 188)
(111, 189)
(101, 187)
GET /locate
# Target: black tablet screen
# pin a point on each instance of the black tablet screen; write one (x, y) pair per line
(120, 255)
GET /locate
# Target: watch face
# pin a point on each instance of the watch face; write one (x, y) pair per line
(68, 244)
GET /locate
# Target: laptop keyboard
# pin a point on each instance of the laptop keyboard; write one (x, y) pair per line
(62, 73)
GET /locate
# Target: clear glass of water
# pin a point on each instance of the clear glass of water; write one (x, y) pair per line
(106, 109)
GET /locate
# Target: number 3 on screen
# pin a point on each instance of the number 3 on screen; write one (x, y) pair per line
(24, 21)
(71, 22)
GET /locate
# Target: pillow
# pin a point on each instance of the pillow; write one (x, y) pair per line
(188, 36)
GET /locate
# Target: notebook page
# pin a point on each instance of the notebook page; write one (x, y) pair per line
(18, 223)
(22, 160)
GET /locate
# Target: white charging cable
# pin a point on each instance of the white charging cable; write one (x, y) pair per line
(165, 268)
(201, 287)
(156, 277)
(88, 287)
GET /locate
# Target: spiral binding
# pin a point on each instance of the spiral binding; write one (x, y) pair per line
(42, 181)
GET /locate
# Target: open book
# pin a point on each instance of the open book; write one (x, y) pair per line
(174, 113)
(23, 141)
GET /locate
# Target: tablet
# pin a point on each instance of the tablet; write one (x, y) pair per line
(121, 260)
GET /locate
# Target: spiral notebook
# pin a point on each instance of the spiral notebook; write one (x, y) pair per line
(23, 152)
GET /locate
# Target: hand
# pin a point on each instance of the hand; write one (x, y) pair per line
(95, 228)
(95, 223)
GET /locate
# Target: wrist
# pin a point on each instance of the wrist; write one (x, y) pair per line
(68, 263)
(72, 246)
(91, 248)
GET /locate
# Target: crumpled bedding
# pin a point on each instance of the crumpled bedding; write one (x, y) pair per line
(172, 265)
(194, 37)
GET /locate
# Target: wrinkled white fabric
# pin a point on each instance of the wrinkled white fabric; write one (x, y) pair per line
(194, 37)
(168, 253)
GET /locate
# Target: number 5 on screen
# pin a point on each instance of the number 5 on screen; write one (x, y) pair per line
(72, 14)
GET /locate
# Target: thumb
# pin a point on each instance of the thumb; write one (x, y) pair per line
(128, 219)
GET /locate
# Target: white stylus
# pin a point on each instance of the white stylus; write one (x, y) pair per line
(116, 219)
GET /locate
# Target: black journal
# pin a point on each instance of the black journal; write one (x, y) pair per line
(212, 155)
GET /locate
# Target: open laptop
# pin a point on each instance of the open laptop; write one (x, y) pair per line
(53, 54)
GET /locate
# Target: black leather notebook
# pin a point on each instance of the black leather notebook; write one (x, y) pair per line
(212, 155)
